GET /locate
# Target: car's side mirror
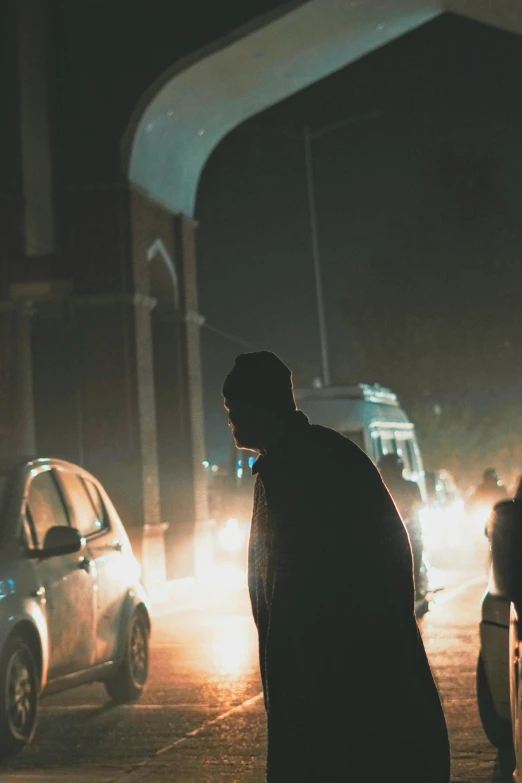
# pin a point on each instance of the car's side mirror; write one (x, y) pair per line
(506, 550)
(59, 540)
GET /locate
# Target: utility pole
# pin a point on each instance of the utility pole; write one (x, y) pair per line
(308, 137)
(316, 256)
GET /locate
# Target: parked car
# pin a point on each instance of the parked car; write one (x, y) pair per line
(498, 667)
(515, 687)
(513, 544)
(72, 608)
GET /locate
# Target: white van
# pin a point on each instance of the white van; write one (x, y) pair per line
(372, 418)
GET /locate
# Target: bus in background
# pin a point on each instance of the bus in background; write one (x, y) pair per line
(371, 416)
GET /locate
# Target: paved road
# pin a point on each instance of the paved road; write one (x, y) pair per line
(202, 717)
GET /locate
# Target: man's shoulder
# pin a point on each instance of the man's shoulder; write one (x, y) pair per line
(323, 443)
(333, 438)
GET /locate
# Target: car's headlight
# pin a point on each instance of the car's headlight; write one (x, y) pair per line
(480, 515)
(228, 577)
(231, 537)
(426, 515)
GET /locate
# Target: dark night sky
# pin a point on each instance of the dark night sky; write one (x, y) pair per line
(420, 222)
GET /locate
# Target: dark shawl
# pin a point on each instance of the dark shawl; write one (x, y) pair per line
(348, 690)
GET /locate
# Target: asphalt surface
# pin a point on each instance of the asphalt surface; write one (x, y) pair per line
(202, 717)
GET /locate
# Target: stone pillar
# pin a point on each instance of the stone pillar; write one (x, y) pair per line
(129, 356)
(203, 528)
(154, 256)
(117, 414)
(153, 546)
(174, 441)
(111, 356)
(56, 368)
(17, 432)
(24, 207)
(34, 68)
(165, 266)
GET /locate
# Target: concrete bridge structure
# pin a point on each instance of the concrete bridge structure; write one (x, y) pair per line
(111, 110)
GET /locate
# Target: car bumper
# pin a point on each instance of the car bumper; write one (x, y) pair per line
(494, 642)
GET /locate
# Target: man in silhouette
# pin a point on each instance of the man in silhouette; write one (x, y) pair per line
(348, 690)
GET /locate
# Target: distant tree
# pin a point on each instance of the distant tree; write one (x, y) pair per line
(439, 322)
(466, 442)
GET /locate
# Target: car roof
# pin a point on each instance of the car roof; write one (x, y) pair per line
(28, 462)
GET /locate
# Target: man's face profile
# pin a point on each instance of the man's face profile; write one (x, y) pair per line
(241, 420)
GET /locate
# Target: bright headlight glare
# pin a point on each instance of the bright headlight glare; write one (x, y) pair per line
(425, 515)
(231, 537)
(480, 516)
(228, 577)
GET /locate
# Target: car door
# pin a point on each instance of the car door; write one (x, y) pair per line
(66, 581)
(108, 545)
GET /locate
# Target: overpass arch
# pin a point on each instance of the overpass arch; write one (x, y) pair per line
(193, 105)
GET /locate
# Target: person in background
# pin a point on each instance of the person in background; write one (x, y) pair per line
(518, 491)
(508, 510)
(489, 491)
(347, 686)
(408, 499)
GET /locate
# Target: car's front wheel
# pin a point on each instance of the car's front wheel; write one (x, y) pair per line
(128, 681)
(19, 696)
(497, 730)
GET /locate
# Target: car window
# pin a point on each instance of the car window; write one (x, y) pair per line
(45, 506)
(414, 456)
(389, 444)
(87, 518)
(405, 453)
(28, 533)
(408, 444)
(97, 502)
(377, 447)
